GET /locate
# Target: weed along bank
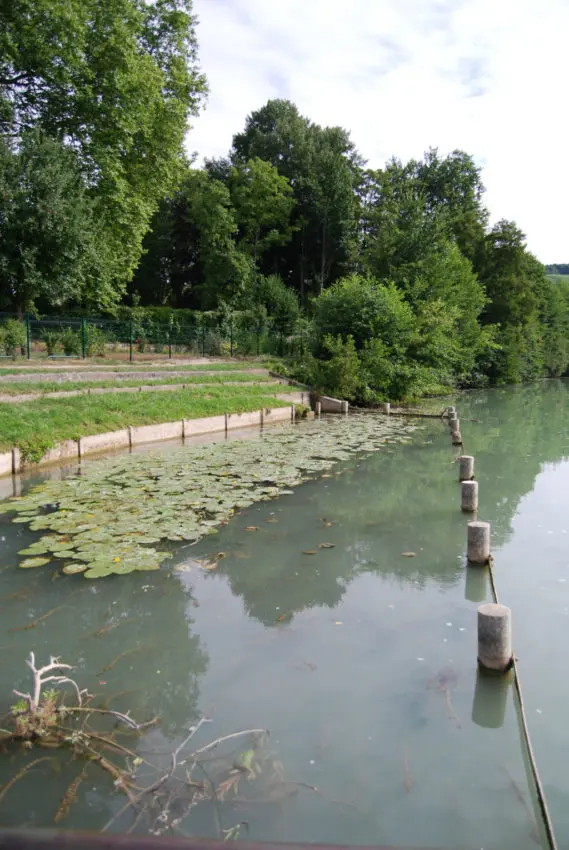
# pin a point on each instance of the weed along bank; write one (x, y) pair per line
(286, 634)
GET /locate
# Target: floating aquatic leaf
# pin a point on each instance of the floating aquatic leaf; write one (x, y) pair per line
(33, 562)
(309, 552)
(326, 545)
(70, 569)
(409, 554)
(123, 506)
(251, 528)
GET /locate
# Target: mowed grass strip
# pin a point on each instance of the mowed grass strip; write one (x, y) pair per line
(20, 387)
(122, 367)
(36, 426)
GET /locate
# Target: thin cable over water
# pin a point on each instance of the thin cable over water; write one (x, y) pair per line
(540, 793)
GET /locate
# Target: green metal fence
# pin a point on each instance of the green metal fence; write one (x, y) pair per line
(59, 337)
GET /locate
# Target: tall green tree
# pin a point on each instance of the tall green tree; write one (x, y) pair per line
(453, 190)
(263, 203)
(116, 81)
(323, 169)
(515, 285)
(48, 230)
(191, 258)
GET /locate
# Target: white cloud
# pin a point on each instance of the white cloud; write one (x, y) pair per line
(487, 76)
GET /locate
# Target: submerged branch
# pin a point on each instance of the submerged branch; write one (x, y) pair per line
(22, 773)
(125, 718)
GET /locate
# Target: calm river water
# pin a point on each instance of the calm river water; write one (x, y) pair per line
(359, 659)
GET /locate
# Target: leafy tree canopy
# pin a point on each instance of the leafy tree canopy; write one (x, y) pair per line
(114, 80)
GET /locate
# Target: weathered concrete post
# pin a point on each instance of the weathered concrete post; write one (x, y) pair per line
(466, 468)
(345, 407)
(318, 409)
(478, 542)
(456, 438)
(386, 407)
(469, 496)
(454, 425)
(494, 637)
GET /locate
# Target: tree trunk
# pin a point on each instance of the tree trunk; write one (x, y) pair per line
(302, 281)
(323, 254)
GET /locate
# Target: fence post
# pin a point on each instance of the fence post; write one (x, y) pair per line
(28, 337)
(231, 337)
(258, 339)
(131, 334)
(203, 340)
(83, 339)
(169, 346)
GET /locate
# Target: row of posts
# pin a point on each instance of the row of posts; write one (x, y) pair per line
(494, 620)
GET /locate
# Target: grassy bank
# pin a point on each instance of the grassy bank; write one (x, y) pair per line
(121, 368)
(36, 426)
(20, 387)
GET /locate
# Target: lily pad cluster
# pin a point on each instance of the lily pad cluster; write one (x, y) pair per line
(110, 518)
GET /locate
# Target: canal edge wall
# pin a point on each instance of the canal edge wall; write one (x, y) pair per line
(11, 462)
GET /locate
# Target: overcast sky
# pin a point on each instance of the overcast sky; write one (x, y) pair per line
(487, 76)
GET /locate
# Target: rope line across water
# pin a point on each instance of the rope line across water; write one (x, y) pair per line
(540, 793)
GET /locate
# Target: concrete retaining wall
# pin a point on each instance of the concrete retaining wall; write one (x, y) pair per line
(6, 463)
(104, 442)
(205, 425)
(11, 463)
(153, 433)
(62, 451)
(243, 420)
(277, 414)
(331, 405)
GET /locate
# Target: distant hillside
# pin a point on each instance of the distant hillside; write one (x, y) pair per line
(558, 269)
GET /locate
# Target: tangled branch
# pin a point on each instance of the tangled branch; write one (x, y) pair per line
(40, 679)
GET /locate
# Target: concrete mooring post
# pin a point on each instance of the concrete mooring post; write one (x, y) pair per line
(495, 637)
(345, 407)
(386, 407)
(454, 425)
(466, 468)
(469, 496)
(456, 438)
(478, 542)
(318, 409)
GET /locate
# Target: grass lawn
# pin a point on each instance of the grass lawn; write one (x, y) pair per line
(36, 426)
(48, 366)
(17, 387)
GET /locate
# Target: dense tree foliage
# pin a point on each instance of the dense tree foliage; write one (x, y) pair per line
(395, 277)
(406, 289)
(114, 81)
(47, 226)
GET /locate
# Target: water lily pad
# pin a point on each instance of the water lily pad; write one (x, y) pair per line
(123, 506)
(71, 569)
(27, 563)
